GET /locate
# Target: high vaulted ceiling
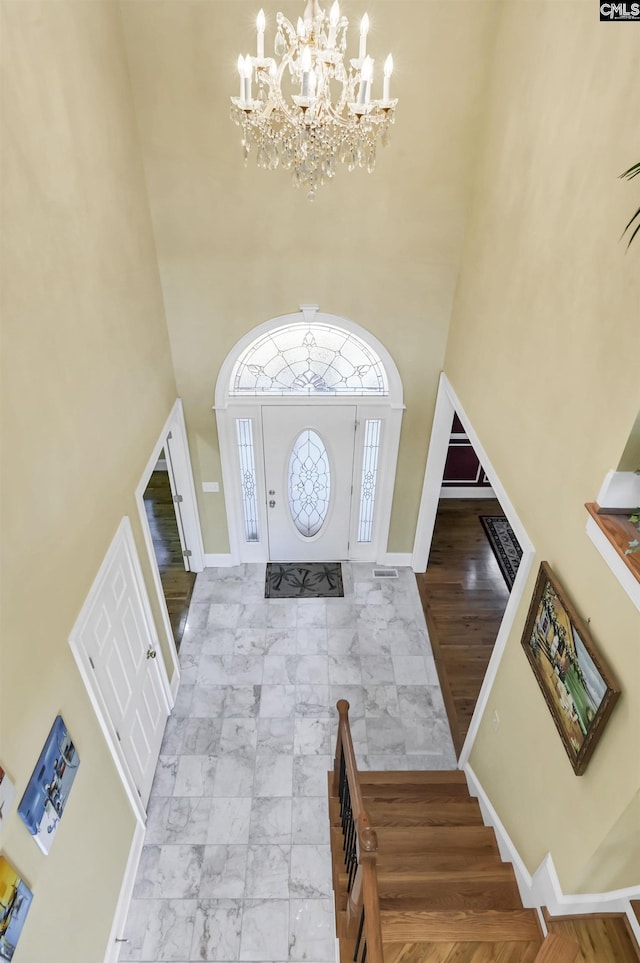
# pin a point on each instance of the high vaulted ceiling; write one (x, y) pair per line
(238, 245)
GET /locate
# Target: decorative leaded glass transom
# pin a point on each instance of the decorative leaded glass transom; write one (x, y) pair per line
(309, 358)
(309, 483)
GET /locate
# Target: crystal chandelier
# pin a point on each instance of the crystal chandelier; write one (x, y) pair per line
(312, 107)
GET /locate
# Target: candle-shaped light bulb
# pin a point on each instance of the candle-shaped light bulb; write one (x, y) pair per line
(248, 71)
(260, 25)
(305, 63)
(366, 75)
(364, 30)
(388, 70)
(334, 17)
(367, 70)
(241, 72)
(300, 27)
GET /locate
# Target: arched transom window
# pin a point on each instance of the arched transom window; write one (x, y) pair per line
(307, 358)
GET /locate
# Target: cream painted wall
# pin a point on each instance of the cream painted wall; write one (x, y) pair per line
(86, 387)
(238, 246)
(543, 353)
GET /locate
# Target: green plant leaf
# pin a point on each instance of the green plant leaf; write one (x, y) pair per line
(634, 233)
(632, 172)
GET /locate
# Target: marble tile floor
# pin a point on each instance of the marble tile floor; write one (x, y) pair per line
(236, 862)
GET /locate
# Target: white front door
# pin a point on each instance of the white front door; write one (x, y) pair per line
(116, 646)
(308, 455)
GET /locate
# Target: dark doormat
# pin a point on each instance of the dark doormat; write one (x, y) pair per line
(504, 544)
(303, 580)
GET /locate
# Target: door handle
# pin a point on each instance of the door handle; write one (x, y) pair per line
(151, 653)
(272, 503)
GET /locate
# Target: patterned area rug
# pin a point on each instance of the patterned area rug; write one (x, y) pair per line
(505, 545)
(303, 580)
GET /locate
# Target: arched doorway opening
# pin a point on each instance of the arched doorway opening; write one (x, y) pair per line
(308, 407)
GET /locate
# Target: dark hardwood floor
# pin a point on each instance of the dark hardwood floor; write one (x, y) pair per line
(464, 597)
(177, 583)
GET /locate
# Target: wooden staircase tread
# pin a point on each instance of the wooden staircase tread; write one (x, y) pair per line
(425, 795)
(602, 937)
(427, 841)
(415, 776)
(461, 865)
(487, 925)
(557, 949)
(412, 802)
(414, 871)
(452, 896)
(454, 952)
(424, 839)
(405, 880)
(416, 814)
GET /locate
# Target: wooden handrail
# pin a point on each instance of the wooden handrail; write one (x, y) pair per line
(363, 906)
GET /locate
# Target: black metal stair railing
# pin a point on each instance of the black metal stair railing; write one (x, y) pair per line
(359, 940)
(359, 845)
(349, 832)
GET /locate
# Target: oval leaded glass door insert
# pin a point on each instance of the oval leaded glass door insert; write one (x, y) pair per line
(309, 483)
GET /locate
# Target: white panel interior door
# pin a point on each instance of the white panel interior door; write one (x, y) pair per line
(114, 636)
(308, 454)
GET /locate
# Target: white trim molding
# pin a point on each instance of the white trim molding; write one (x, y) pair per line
(543, 887)
(623, 574)
(388, 408)
(467, 491)
(397, 559)
(213, 560)
(174, 432)
(126, 892)
(448, 404)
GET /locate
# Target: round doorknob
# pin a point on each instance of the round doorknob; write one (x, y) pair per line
(151, 653)
(272, 503)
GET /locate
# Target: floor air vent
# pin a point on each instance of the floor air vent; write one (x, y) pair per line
(385, 573)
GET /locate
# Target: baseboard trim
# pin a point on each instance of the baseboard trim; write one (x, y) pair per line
(400, 559)
(175, 685)
(543, 887)
(212, 560)
(126, 892)
(467, 491)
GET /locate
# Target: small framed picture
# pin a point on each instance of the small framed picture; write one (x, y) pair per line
(15, 900)
(7, 795)
(578, 686)
(45, 797)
